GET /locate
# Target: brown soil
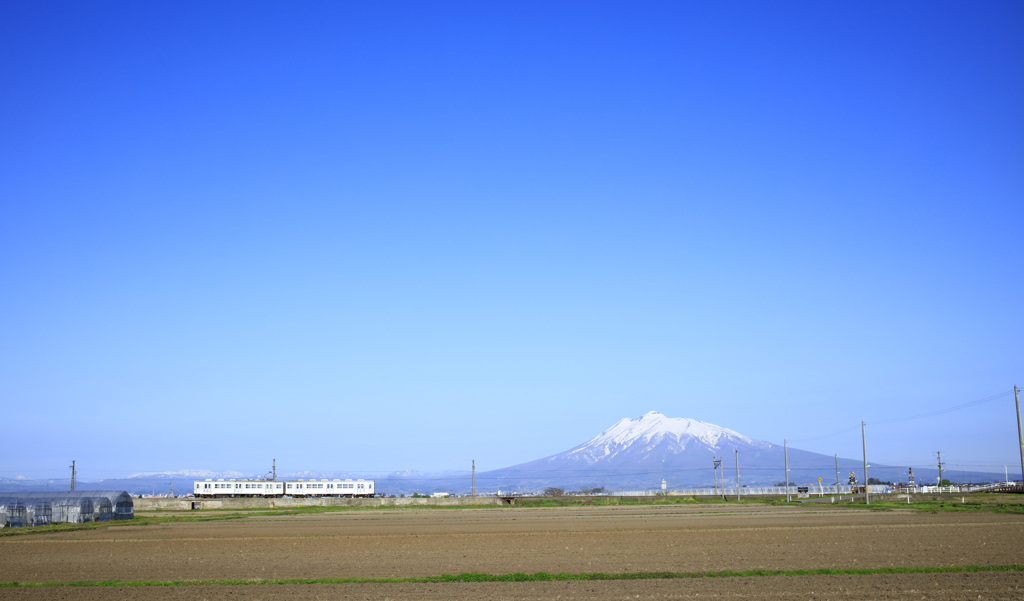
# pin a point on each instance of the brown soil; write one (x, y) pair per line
(407, 542)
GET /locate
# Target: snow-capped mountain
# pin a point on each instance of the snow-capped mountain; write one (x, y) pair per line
(632, 454)
(639, 453)
(653, 435)
(184, 474)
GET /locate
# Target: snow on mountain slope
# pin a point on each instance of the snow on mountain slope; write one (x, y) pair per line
(638, 453)
(653, 430)
(186, 474)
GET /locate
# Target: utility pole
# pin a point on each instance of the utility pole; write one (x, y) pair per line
(837, 473)
(737, 474)
(474, 478)
(785, 454)
(717, 463)
(72, 466)
(939, 453)
(864, 444)
(1016, 397)
(274, 470)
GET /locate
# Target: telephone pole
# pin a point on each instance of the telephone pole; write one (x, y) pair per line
(785, 454)
(72, 466)
(737, 474)
(864, 443)
(474, 478)
(939, 453)
(1016, 397)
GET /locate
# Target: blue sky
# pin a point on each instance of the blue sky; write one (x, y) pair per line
(376, 237)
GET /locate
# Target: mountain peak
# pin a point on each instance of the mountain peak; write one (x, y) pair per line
(653, 425)
(640, 436)
(635, 448)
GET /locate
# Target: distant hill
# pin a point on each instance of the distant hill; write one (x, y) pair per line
(637, 454)
(632, 454)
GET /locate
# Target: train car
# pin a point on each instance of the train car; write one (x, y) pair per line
(330, 488)
(235, 488)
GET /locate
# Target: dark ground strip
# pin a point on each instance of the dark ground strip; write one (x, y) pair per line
(521, 577)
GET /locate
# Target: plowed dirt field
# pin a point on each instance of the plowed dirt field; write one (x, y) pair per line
(431, 542)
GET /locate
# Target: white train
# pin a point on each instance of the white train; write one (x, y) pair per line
(212, 489)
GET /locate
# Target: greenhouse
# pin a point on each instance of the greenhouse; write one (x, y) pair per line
(75, 510)
(123, 506)
(105, 505)
(41, 508)
(102, 510)
(12, 512)
(38, 512)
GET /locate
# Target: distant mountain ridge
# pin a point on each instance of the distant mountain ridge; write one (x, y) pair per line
(193, 474)
(638, 453)
(653, 435)
(632, 454)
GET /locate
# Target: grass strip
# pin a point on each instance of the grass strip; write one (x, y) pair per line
(536, 577)
(993, 502)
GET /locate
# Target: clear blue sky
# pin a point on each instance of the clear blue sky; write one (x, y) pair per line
(406, 235)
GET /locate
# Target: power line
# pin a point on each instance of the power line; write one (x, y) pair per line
(832, 435)
(941, 411)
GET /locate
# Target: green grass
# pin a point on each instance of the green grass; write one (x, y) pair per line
(994, 502)
(523, 577)
(139, 520)
(527, 502)
(999, 503)
(935, 505)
